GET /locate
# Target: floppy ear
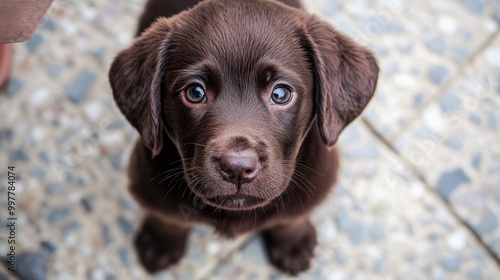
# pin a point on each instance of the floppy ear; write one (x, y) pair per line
(345, 78)
(136, 78)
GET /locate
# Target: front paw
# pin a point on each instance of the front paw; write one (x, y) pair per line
(158, 250)
(292, 254)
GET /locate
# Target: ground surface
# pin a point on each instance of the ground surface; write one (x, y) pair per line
(419, 193)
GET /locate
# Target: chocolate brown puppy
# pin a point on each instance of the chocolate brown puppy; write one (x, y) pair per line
(239, 105)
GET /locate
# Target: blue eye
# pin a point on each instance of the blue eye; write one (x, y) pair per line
(281, 96)
(196, 94)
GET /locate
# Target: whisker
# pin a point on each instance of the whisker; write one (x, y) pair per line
(195, 144)
(171, 188)
(305, 185)
(165, 172)
(298, 196)
(174, 174)
(309, 168)
(181, 160)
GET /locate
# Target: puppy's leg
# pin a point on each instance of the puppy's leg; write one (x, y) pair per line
(290, 247)
(160, 244)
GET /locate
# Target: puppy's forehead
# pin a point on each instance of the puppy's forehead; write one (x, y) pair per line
(238, 33)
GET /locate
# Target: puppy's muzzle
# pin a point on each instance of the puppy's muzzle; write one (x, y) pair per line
(239, 167)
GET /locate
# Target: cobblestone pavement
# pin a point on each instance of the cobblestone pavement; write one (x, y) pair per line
(419, 193)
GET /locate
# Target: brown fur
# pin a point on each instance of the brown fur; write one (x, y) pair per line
(238, 51)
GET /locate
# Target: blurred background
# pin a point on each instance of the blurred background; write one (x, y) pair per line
(419, 192)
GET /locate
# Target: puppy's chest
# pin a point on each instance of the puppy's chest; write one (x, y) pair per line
(233, 227)
(233, 224)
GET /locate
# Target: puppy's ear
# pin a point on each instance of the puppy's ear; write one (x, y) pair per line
(136, 78)
(345, 78)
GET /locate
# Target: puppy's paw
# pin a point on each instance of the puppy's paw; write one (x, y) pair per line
(292, 254)
(157, 251)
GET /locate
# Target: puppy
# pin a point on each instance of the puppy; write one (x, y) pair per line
(239, 105)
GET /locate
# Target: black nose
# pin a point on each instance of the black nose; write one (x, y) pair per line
(239, 167)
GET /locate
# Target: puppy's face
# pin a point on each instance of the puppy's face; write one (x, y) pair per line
(238, 102)
(236, 86)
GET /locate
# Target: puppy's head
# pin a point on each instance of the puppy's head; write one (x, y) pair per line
(236, 85)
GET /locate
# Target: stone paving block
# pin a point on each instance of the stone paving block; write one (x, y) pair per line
(420, 47)
(5, 274)
(379, 223)
(455, 145)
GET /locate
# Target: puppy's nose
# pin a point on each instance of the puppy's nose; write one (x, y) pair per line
(239, 168)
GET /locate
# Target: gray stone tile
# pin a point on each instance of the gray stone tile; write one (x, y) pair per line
(475, 273)
(49, 24)
(254, 251)
(368, 151)
(14, 86)
(37, 172)
(70, 229)
(438, 74)
(427, 42)
(488, 223)
(451, 263)
(106, 234)
(6, 136)
(32, 266)
(87, 204)
(117, 161)
(57, 215)
(126, 226)
(48, 246)
(450, 101)
(454, 145)
(436, 45)
(19, 155)
(474, 6)
(451, 180)
(35, 42)
(55, 70)
(79, 87)
(124, 255)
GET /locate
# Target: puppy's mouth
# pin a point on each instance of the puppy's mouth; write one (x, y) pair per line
(237, 201)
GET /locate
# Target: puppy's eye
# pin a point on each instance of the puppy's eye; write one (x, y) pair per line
(281, 96)
(196, 94)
